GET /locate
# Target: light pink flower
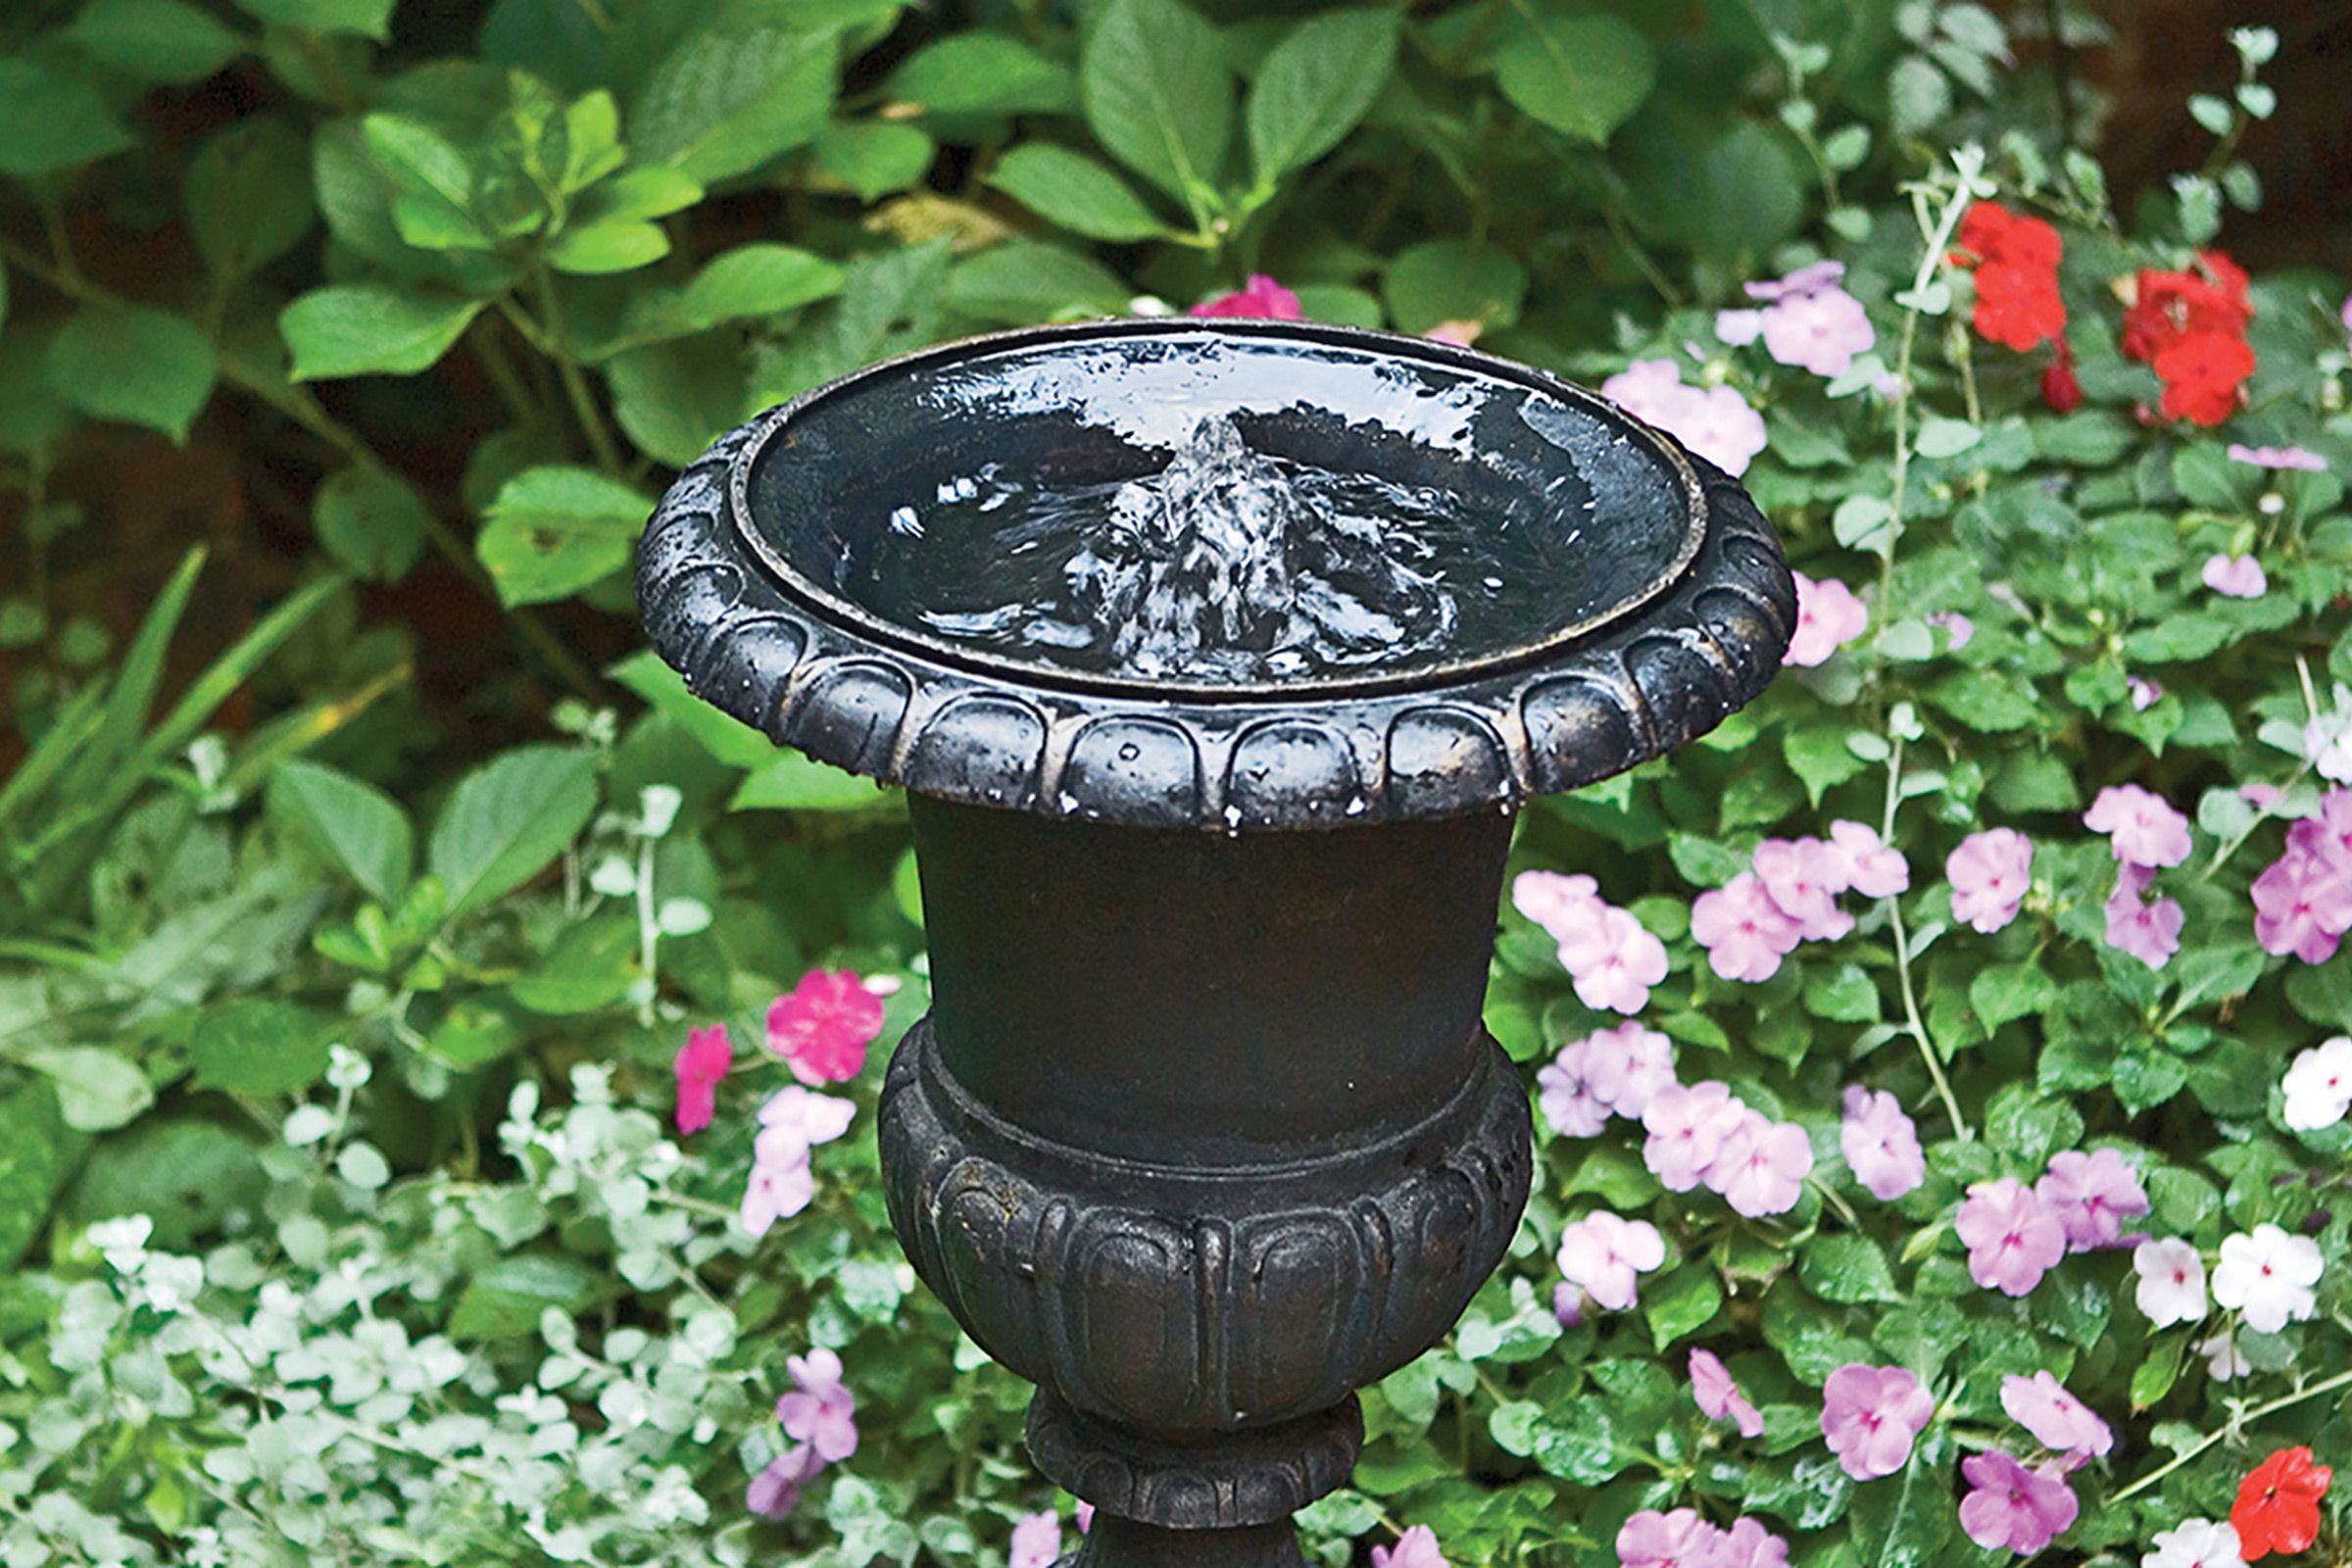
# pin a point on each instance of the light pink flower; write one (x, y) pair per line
(1989, 873)
(1873, 868)
(2276, 458)
(1715, 422)
(2302, 904)
(1688, 1127)
(1462, 334)
(1677, 1540)
(1718, 1396)
(2012, 1506)
(2172, 1281)
(2141, 828)
(1827, 616)
(2235, 576)
(701, 1063)
(2090, 1196)
(819, 1412)
(1880, 1144)
(792, 1122)
(2012, 1239)
(1417, 1547)
(2145, 694)
(1645, 388)
(1552, 900)
(1749, 1545)
(1957, 627)
(1625, 1066)
(1761, 1167)
(1565, 1093)
(1260, 296)
(2059, 1422)
(1036, 1541)
(1085, 1515)
(822, 1027)
(2148, 931)
(1740, 328)
(1805, 877)
(776, 1491)
(1567, 1304)
(803, 1114)
(1744, 931)
(1613, 961)
(1604, 1255)
(1810, 321)
(1871, 1416)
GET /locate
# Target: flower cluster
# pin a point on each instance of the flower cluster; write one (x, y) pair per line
(2016, 264)
(2303, 901)
(1807, 321)
(1613, 959)
(1704, 1134)
(2146, 835)
(1789, 895)
(819, 1415)
(1880, 1144)
(792, 1123)
(2191, 327)
(1684, 1540)
(1610, 1072)
(1714, 421)
(2015, 1234)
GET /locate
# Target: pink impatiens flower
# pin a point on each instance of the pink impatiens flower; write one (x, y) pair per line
(702, 1061)
(2149, 931)
(2091, 1195)
(1880, 1144)
(1718, 1396)
(1805, 877)
(776, 1489)
(1762, 1166)
(1957, 628)
(2012, 1239)
(1749, 1545)
(821, 1029)
(1829, 615)
(1715, 422)
(2303, 900)
(1565, 1093)
(2141, 829)
(1417, 1547)
(1808, 321)
(1625, 1066)
(2059, 1422)
(2276, 458)
(793, 1121)
(1036, 1541)
(1553, 899)
(819, 1412)
(1874, 868)
(2144, 694)
(1871, 1416)
(2235, 576)
(2172, 1281)
(1745, 932)
(1688, 1127)
(1613, 959)
(1604, 1254)
(2012, 1506)
(1677, 1540)
(1261, 297)
(1989, 873)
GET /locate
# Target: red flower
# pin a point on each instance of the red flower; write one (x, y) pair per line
(2166, 307)
(2059, 388)
(2278, 1507)
(1998, 234)
(2018, 304)
(2201, 375)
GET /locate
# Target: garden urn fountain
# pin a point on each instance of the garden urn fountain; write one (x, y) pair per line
(1215, 659)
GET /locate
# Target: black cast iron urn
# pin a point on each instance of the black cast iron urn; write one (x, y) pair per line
(1203, 1132)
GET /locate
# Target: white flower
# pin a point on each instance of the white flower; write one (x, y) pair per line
(2268, 1275)
(2172, 1281)
(2319, 1086)
(2196, 1543)
(2327, 739)
(2221, 1358)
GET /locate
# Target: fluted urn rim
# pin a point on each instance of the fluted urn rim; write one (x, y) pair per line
(761, 640)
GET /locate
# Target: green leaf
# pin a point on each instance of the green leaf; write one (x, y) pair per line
(505, 1300)
(874, 157)
(1820, 759)
(1845, 993)
(741, 87)
(1452, 281)
(591, 966)
(1025, 281)
(674, 399)
(1906, 1522)
(97, 1089)
(369, 329)
(370, 18)
(1582, 75)
(1073, 192)
(1847, 1268)
(32, 1165)
(1158, 94)
(162, 40)
(747, 282)
(1681, 1302)
(981, 72)
(262, 1046)
(507, 820)
(1316, 87)
(50, 121)
(639, 193)
(472, 1035)
(370, 521)
(248, 196)
(2157, 1372)
(2003, 993)
(130, 362)
(432, 204)
(555, 530)
(351, 823)
(665, 690)
(1985, 700)
(797, 783)
(615, 245)
(186, 1174)
(1584, 1446)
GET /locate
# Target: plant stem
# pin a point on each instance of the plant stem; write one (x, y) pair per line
(568, 365)
(2237, 1424)
(1916, 1024)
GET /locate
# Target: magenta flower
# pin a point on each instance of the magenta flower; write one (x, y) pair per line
(1604, 1255)
(1761, 1167)
(2235, 576)
(2012, 1506)
(1688, 1127)
(2277, 458)
(1565, 1093)
(1718, 1396)
(1085, 1515)
(1956, 627)
(1871, 1416)
(819, 1412)
(1567, 1304)
(1677, 1540)
(2303, 901)
(2012, 1239)
(1827, 616)
(701, 1063)
(1613, 961)
(1625, 1066)
(776, 1491)
(822, 1028)
(1989, 873)
(2141, 828)
(1417, 1547)
(1805, 877)
(2059, 1422)
(1880, 1144)
(1745, 932)
(2090, 1196)
(2148, 931)
(1810, 321)
(1716, 422)
(1036, 1541)
(1261, 297)
(1873, 868)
